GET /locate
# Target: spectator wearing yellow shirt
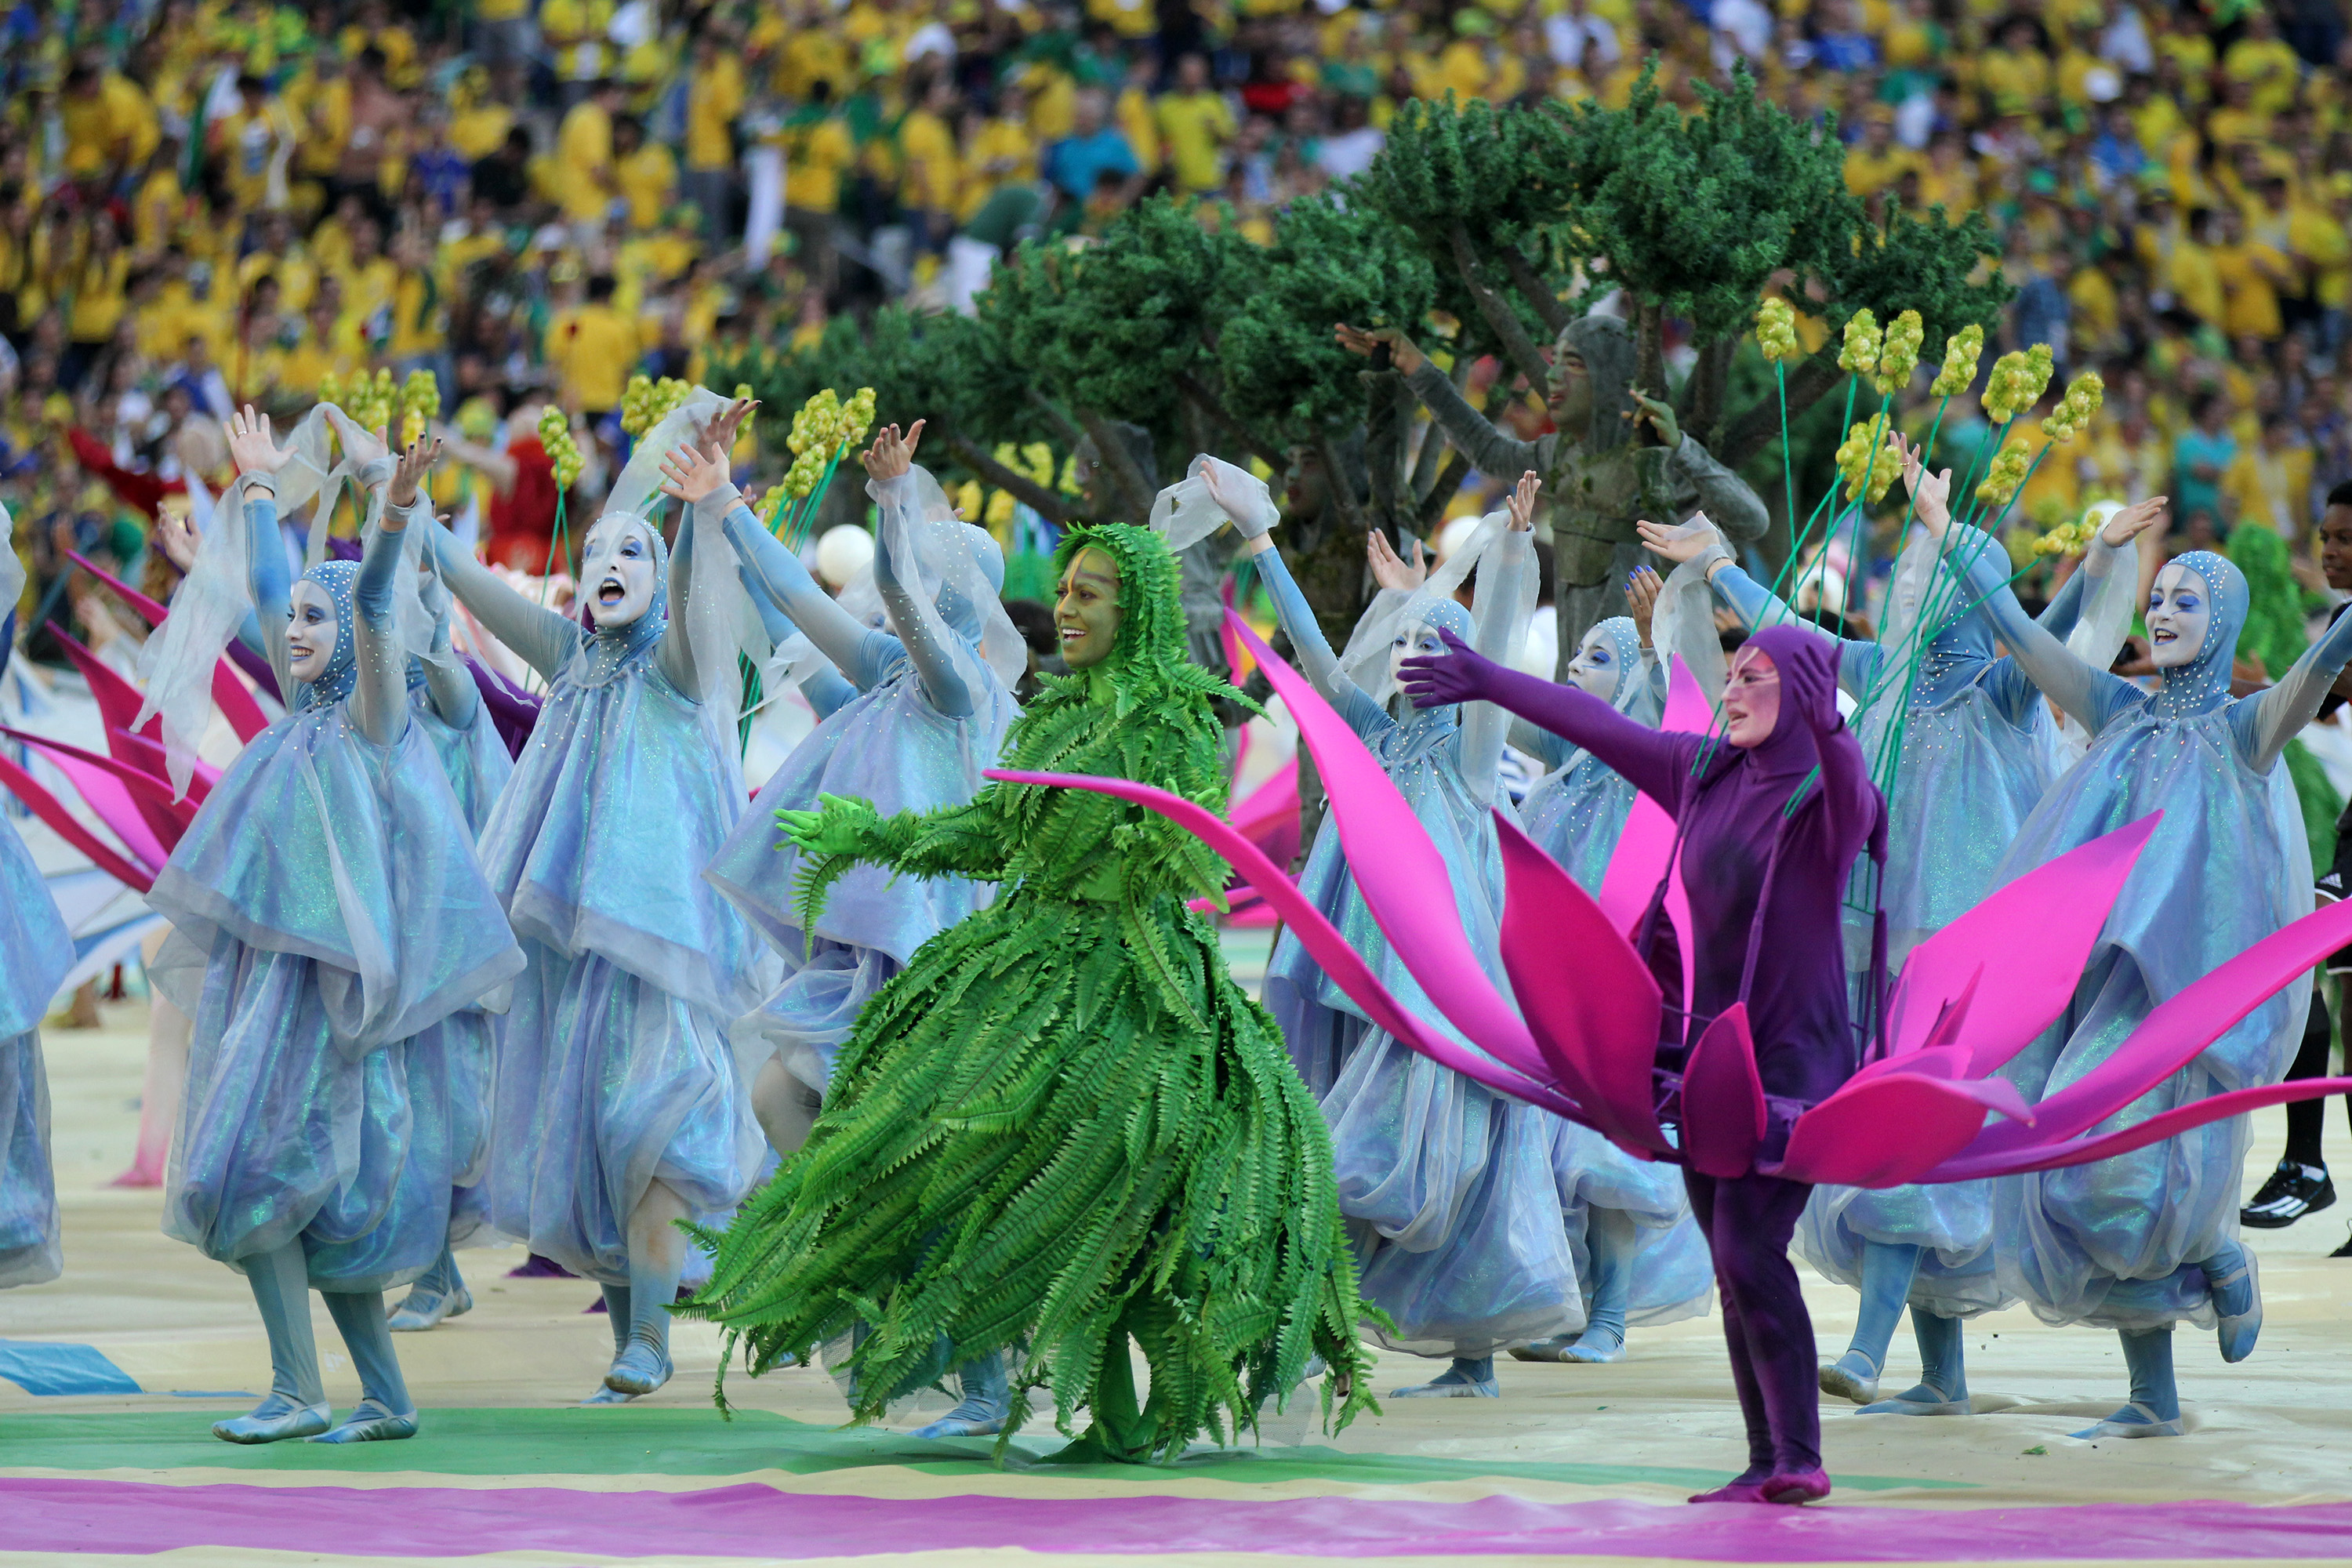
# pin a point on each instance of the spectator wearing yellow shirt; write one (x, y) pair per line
(502, 33)
(254, 144)
(2251, 275)
(585, 187)
(714, 98)
(280, 254)
(2265, 62)
(2196, 282)
(98, 289)
(931, 169)
(2014, 76)
(1195, 124)
(483, 111)
(2188, 49)
(2269, 482)
(1136, 111)
(373, 28)
(818, 148)
(594, 351)
(574, 32)
(998, 151)
(368, 282)
(107, 123)
(644, 171)
(2236, 120)
(1874, 163)
(159, 202)
(1130, 19)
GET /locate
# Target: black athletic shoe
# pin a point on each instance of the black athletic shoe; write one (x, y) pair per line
(2345, 1250)
(2293, 1191)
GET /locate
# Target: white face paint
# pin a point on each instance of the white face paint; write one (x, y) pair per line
(311, 628)
(1596, 668)
(2179, 612)
(618, 575)
(1420, 641)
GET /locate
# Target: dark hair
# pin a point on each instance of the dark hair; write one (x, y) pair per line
(1034, 622)
(600, 287)
(2341, 495)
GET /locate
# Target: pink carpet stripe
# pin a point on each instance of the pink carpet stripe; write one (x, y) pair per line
(71, 1516)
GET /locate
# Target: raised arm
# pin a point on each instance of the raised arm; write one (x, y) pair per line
(891, 481)
(540, 637)
(966, 840)
(1697, 543)
(2092, 696)
(1709, 487)
(1507, 593)
(1489, 449)
(456, 698)
(675, 654)
(1657, 761)
(2267, 721)
(380, 694)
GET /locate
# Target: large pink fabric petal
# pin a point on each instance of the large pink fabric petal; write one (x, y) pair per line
(136, 780)
(1402, 877)
(50, 810)
(1723, 1100)
(117, 708)
(2172, 1034)
(1884, 1132)
(113, 805)
(1318, 935)
(229, 695)
(1592, 1004)
(2140, 1134)
(2064, 904)
(1645, 847)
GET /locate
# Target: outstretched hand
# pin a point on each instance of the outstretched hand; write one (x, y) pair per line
(251, 444)
(415, 461)
(1391, 569)
(1522, 504)
(1641, 591)
(690, 474)
(892, 454)
(2133, 520)
(177, 539)
(1678, 541)
(1460, 675)
(1931, 493)
(1660, 418)
(1404, 353)
(718, 435)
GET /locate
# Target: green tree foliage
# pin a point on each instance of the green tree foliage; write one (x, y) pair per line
(2273, 637)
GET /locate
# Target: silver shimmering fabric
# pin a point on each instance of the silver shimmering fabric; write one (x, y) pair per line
(36, 952)
(888, 745)
(331, 920)
(614, 1066)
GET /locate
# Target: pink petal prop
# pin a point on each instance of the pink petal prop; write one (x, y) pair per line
(2140, 1134)
(1723, 1100)
(1885, 1132)
(1595, 1020)
(118, 704)
(2172, 1034)
(113, 805)
(1268, 816)
(2064, 904)
(1402, 877)
(136, 781)
(1647, 846)
(1321, 938)
(229, 695)
(46, 806)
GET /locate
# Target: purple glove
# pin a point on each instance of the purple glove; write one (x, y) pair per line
(1461, 676)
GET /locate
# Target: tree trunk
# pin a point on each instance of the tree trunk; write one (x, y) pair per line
(1062, 426)
(1535, 290)
(1441, 494)
(1501, 320)
(1753, 430)
(1053, 507)
(1340, 487)
(1135, 491)
(1387, 415)
(1199, 394)
(1702, 416)
(1650, 349)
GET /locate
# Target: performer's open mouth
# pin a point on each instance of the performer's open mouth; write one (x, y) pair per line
(610, 593)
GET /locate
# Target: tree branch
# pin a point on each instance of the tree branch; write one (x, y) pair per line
(1207, 402)
(1048, 504)
(1501, 320)
(1750, 432)
(1341, 486)
(1386, 402)
(1063, 426)
(1535, 290)
(1441, 493)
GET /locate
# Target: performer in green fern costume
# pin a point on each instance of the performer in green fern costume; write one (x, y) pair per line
(1064, 1126)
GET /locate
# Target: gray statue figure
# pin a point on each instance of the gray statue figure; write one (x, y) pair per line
(1615, 458)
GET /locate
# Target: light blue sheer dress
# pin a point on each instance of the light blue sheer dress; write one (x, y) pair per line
(1447, 1187)
(926, 717)
(613, 1067)
(2116, 1243)
(333, 930)
(36, 952)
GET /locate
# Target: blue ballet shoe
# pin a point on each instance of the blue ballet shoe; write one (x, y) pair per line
(274, 1420)
(1923, 1399)
(370, 1423)
(987, 1403)
(1463, 1379)
(427, 1308)
(2238, 1302)
(2134, 1420)
(1852, 1376)
(608, 1396)
(638, 1370)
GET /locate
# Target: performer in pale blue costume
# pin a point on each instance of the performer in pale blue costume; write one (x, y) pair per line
(1448, 1187)
(932, 698)
(447, 706)
(929, 713)
(1977, 745)
(1641, 1259)
(619, 1107)
(2146, 1240)
(36, 952)
(333, 926)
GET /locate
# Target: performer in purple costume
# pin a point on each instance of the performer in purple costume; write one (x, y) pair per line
(1769, 828)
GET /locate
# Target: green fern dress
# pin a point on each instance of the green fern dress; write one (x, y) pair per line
(1063, 1125)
